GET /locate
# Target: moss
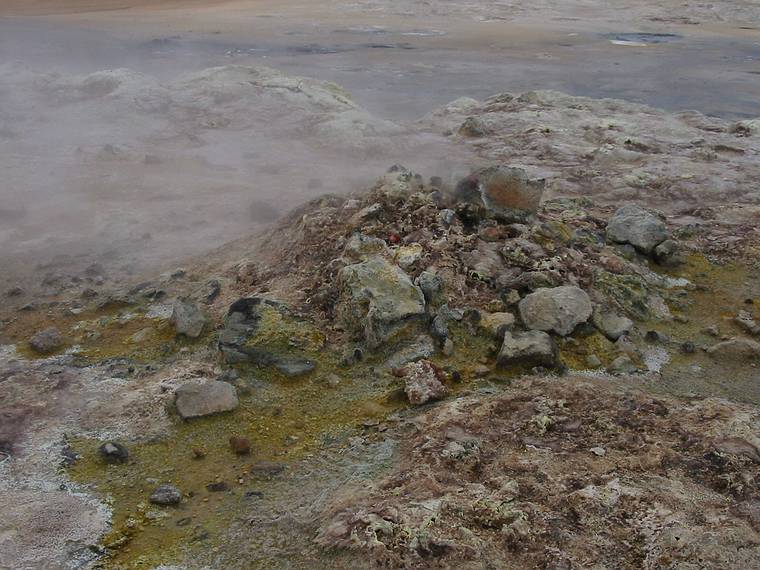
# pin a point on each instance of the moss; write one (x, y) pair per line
(575, 351)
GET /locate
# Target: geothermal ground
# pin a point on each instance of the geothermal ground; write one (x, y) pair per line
(379, 285)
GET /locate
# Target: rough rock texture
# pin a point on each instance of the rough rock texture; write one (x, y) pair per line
(47, 340)
(188, 319)
(213, 397)
(639, 227)
(166, 495)
(422, 383)
(611, 324)
(558, 309)
(379, 299)
(505, 192)
(530, 348)
(735, 349)
(565, 473)
(497, 323)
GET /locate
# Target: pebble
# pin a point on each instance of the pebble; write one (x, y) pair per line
(113, 452)
(240, 445)
(166, 495)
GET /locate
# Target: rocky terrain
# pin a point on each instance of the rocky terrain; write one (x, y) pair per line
(529, 366)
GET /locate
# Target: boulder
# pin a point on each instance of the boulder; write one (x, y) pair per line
(213, 397)
(421, 383)
(634, 225)
(735, 349)
(611, 324)
(48, 340)
(558, 309)
(378, 300)
(530, 348)
(507, 193)
(188, 319)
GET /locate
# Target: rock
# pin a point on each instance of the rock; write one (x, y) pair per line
(360, 247)
(411, 351)
(610, 324)
(668, 253)
(217, 487)
(622, 365)
(593, 361)
(210, 291)
(113, 452)
(187, 318)
(448, 347)
(530, 348)
(240, 445)
(634, 225)
(212, 397)
(294, 367)
(406, 256)
(745, 320)
(430, 284)
(505, 192)
(421, 383)
(166, 495)
(378, 300)
(14, 292)
(496, 324)
(371, 212)
(45, 341)
(558, 309)
(735, 349)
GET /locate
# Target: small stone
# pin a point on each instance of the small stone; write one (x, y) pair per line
(448, 347)
(496, 324)
(598, 451)
(593, 361)
(422, 383)
(166, 495)
(48, 340)
(217, 487)
(113, 452)
(333, 380)
(688, 347)
(295, 367)
(610, 324)
(198, 453)
(622, 365)
(240, 445)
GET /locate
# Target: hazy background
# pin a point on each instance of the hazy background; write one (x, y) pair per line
(145, 164)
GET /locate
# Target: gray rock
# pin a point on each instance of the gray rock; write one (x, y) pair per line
(622, 365)
(421, 383)
(188, 319)
(611, 324)
(668, 253)
(48, 340)
(166, 495)
(360, 247)
(507, 193)
(295, 367)
(530, 348)
(745, 320)
(558, 309)
(735, 349)
(378, 300)
(411, 351)
(210, 291)
(113, 452)
(634, 225)
(196, 400)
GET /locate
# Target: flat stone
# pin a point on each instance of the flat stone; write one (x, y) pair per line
(611, 324)
(48, 340)
(213, 397)
(530, 348)
(295, 367)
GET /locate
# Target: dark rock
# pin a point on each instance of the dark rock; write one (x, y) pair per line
(113, 452)
(48, 340)
(295, 367)
(166, 495)
(217, 487)
(240, 445)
